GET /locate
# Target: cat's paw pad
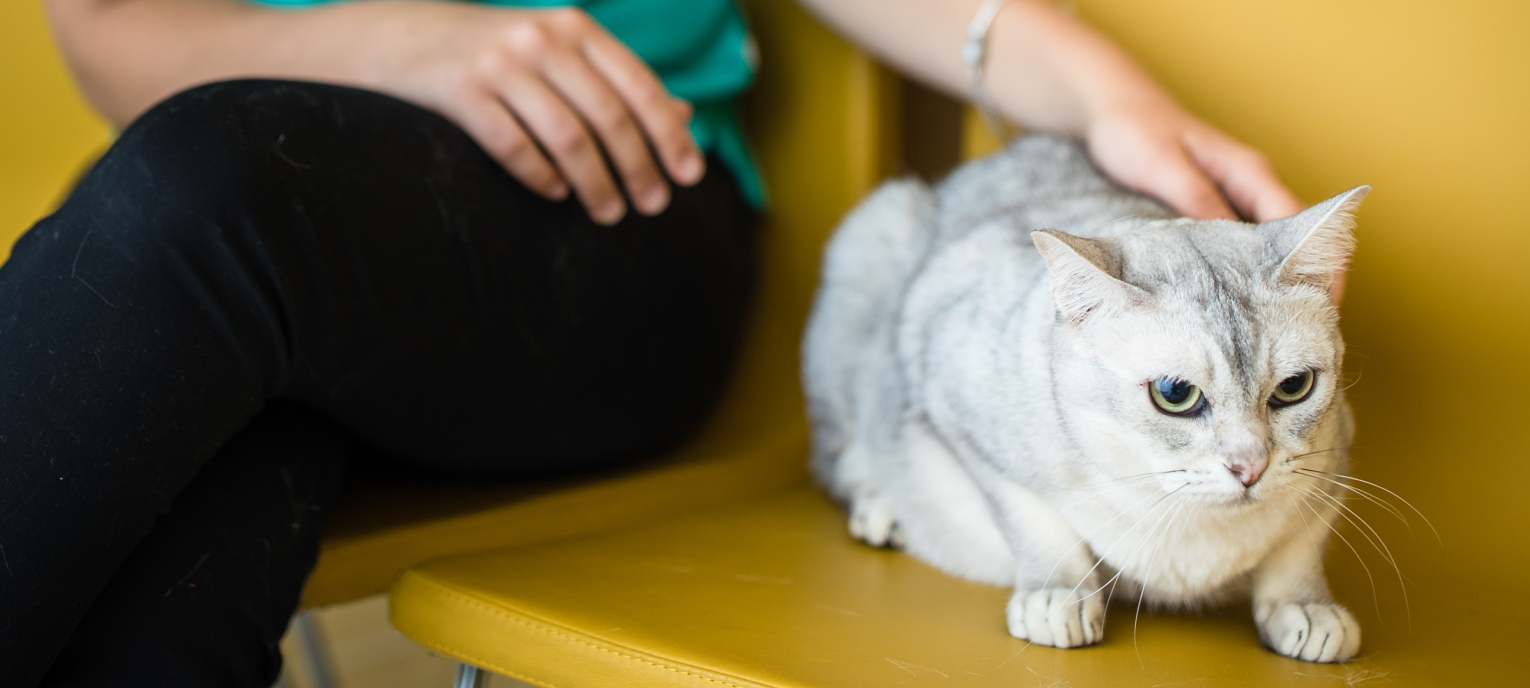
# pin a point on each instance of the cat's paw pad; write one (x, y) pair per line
(872, 522)
(1056, 617)
(1315, 632)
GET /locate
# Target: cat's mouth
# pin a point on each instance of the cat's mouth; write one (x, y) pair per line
(1212, 494)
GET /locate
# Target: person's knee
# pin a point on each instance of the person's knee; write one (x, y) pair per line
(217, 143)
(204, 171)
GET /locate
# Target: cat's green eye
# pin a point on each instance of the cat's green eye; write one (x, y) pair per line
(1294, 389)
(1175, 396)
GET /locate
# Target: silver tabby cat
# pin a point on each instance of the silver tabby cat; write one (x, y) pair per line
(1031, 377)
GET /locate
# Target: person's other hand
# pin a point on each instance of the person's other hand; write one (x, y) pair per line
(1155, 147)
(544, 92)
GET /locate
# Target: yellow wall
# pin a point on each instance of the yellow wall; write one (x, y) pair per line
(47, 133)
(1430, 103)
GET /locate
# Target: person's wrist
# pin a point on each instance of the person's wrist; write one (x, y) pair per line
(1026, 80)
(1112, 93)
(1048, 70)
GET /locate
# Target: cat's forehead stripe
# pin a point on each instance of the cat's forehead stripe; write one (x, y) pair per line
(1209, 287)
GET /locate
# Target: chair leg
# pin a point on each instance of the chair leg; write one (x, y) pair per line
(469, 676)
(315, 654)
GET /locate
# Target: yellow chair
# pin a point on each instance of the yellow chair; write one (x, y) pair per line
(1426, 103)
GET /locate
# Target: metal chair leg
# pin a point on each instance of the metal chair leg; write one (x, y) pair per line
(315, 654)
(469, 676)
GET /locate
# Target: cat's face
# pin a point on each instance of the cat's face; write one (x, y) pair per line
(1214, 397)
(1205, 360)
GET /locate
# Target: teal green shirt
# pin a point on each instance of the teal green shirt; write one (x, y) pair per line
(702, 51)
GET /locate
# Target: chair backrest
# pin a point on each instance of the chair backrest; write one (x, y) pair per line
(823, 120)
(47, 132)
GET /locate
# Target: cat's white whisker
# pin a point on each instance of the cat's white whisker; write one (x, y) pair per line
(1378, 543)
(1383, 489)
(1115, 481)
(1137, 617)
(1305, 526)
(1116, 488)
(1363, 526)
(1048, 580)
(1375, 598)
(1364, 494)
(1298, 457)
(1126, 564)
(1114, 583)
(1100, 558)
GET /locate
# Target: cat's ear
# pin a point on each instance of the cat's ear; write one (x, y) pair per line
(1084, 275)
(1310, 247)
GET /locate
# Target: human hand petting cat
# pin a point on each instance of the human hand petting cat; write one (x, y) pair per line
(1046, 70)
(1153, 145)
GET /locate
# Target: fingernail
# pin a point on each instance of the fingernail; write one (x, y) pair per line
(610, 213)
(690, 169)
(655, 200)
(558, 192)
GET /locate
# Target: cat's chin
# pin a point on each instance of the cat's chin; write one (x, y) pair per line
(1235, 501)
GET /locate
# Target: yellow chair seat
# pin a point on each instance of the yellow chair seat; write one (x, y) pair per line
(380, 529)
(776, 593)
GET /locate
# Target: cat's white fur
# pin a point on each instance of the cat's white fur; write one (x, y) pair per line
(979, 395)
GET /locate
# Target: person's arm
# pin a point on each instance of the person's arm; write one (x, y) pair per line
(520, 82)
(1048, 71)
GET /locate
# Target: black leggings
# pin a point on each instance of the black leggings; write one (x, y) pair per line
(264, 282)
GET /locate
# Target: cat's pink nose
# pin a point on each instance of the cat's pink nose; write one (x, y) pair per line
(1249, 467)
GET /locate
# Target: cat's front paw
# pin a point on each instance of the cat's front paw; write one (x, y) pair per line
(1315, 632)
(1056, 617)
(872, 522)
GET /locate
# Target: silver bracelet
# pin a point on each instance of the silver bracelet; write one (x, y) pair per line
(974, 54)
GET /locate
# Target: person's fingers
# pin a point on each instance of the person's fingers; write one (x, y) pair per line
(1180, 183)
(1244, 174)
(664, 119)
(1249, 180)
(551, 121)
(1140, 146)
(602, 109)
(486, 120)
(570, 144)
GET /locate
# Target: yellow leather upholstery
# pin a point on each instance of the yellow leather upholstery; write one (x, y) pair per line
(775, 594)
